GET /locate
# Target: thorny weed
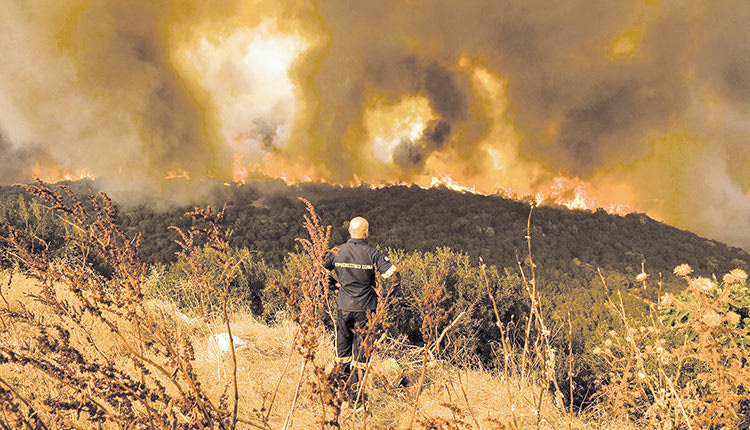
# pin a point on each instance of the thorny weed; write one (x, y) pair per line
(429, 304)
(686, 366)
(88, 350)
(307, 301)
(509, 368)
(541, 344)
(207, 228)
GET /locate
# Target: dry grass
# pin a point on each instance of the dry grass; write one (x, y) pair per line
(104, 356)
(263, 361)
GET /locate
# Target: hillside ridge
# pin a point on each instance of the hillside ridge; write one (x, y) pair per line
(264, 216)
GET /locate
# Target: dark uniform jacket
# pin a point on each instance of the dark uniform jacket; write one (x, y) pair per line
(356, 264)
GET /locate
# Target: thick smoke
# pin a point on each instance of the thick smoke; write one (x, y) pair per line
(92, 87)
(410, 155)
(653, 97)
(16, 163)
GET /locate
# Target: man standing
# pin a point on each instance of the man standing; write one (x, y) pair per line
(356, 265)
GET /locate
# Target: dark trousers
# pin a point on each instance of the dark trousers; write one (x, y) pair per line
(348, 340)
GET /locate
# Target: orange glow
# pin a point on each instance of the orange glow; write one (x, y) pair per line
(260, 84)
(626, 44)
(177, 174)
(239, 172)
(575, 193)
(53, 174)
(390, 124)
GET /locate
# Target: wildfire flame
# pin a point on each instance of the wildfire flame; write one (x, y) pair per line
(177, 173)
(450, 183)
(574, 193)
(571, 192)
(54, 173)
(239, 172)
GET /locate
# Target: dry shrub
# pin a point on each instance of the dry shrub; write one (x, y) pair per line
(687, 365)
(307, 301)
(86, 349)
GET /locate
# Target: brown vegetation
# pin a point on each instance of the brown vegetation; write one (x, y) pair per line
(106, 348)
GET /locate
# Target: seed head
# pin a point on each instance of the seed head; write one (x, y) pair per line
(736, 276)
(667, 300)
(702, 284)
(683, 270)
(711, 319)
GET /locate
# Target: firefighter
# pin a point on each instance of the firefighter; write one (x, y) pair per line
(356, 265)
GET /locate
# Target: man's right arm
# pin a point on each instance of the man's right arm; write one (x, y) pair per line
(328, 260)
(328, 264)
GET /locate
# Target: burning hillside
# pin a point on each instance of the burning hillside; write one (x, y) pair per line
(629, 106)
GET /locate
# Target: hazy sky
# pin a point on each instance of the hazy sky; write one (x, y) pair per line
(643, 104)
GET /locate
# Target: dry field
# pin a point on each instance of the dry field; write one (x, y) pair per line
(450, 398)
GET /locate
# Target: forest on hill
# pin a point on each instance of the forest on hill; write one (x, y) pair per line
(265, 217)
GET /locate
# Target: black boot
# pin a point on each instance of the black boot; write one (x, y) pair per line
(355, 390)
(350, 388)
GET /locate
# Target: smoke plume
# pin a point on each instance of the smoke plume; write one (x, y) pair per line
(647, 102)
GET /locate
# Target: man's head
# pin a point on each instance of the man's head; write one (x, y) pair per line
(358, 228)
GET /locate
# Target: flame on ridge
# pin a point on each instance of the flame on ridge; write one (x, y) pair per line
(575, 193)
(54, 173)
(177, 173)
(571, 192)
(450, 183)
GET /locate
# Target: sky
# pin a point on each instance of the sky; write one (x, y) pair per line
(628, 105)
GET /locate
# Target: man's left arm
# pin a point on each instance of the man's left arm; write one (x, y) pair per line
(389, 272)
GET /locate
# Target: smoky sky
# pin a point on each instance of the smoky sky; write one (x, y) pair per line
(93, 86)
(16, 162)
(653, 95)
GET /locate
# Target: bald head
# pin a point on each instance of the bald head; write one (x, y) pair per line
(358, 228)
